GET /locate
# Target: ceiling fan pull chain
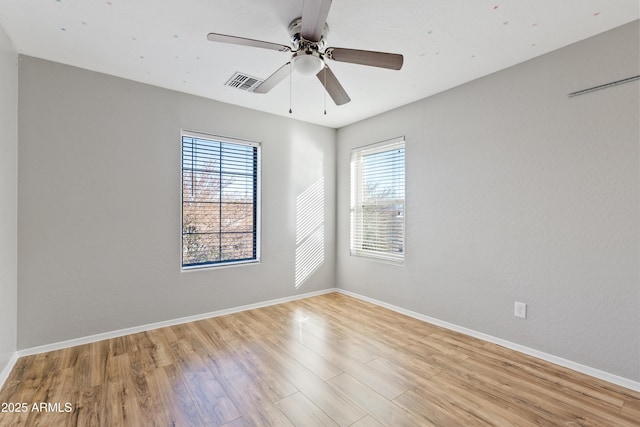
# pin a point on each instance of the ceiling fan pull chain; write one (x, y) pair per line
(290, 68)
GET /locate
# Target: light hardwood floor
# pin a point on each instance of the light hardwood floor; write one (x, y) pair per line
(323, 361)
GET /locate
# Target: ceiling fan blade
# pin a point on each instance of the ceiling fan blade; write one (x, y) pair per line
(314, 17)
(273, 79)
(392, 61)
(223, 38)
(333, 86)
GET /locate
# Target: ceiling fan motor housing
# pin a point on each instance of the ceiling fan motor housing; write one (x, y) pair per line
(299, 43)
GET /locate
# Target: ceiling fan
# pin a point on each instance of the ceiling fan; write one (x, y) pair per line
(308, 39)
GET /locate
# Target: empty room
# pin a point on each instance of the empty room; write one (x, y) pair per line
(319, 213)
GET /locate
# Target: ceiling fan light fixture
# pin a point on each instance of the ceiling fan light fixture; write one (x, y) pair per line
(308, 64)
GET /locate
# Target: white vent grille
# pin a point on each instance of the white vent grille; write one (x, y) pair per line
(243, 82)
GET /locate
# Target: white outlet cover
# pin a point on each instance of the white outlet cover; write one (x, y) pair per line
(520, 310)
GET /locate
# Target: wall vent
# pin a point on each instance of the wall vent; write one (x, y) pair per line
(243, 82)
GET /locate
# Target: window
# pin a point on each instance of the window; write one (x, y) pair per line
(220, 201)
(377, 201)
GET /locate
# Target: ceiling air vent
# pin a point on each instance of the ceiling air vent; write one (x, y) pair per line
(243, 82)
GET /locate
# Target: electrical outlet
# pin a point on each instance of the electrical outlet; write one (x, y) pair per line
(520, 310)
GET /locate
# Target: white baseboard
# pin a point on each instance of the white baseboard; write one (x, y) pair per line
(136, 329)
(606, 376)
(4, 374)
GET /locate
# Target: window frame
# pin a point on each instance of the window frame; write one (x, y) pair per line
(258, 201)
(356, 197)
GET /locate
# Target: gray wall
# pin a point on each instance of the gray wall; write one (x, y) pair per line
(8, 198)
(99, 204)
(516, 192)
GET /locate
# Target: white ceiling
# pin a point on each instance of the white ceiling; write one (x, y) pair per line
(444, 42)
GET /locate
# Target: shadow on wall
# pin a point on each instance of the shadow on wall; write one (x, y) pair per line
(309, 231)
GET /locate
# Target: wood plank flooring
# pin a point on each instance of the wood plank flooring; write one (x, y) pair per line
(330, 360)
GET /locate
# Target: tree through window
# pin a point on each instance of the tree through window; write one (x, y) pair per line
(220, 197)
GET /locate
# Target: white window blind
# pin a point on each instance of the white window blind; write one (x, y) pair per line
(377, 201)
(219, 201)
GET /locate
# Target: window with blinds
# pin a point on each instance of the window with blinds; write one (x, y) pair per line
(220, 201)
(377, 201)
